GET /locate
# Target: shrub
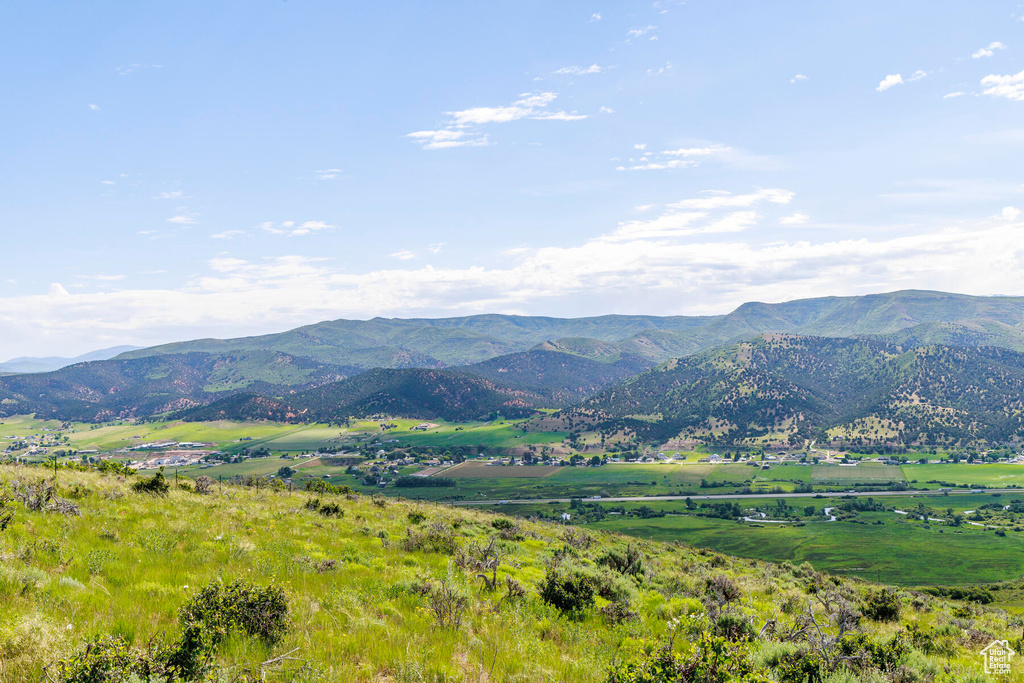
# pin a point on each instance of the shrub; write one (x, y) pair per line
(424, 482)
(882, 605)
(155, 485)
(204, 483)
(205, 620)
(260, 612)
(618, 612)
(436, 537)
(415, 517)
(713, 660)
(331, 510)
(448, 605)
(630, 561)
(502, 523)
(570, 591)
(733, 627)
(108, 658)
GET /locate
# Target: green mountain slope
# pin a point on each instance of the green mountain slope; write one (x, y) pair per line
(561, 378)
(419, 393)
(120, 388)
(786, 388)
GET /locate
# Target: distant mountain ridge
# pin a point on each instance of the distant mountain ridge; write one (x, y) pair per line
(938, 318)
(542, 361)
(50, 363)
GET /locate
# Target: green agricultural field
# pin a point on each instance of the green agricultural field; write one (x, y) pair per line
(26, 425)
(221, 434)
(864, 473)
(475, 469)
(993, 475)
(896, 551)
(492, 434)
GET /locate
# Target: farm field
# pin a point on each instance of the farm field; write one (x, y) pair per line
(883, 546)
(475, 469)
(864, 473)
(996, 475)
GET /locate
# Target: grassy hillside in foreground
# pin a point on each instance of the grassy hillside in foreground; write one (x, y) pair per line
(387, 591)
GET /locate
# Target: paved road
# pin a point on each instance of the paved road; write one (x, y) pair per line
(724, 496)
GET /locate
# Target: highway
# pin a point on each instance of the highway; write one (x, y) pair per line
(727, 496)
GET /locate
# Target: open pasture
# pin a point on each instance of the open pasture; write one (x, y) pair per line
(475, 469)
(864, 473)
(995, 475)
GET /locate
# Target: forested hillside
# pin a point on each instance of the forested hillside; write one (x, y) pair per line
(785, 388)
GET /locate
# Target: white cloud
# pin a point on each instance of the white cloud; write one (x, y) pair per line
(648, 165)
(435, 248)
(329, 174)
(107, 182)
(697, 151)
(227, 234)
(719, 199)
(643, 208)
(404, 255)
(94, 107)
(641, 31)
(444, 139)
(666, 263)
(606, 110)
(660, 70)
(595, 17)
(797, 78)
(580, 70)
(916, 76)
(1010, 213)
(293, 229)
(1011, 87)
(458, 132)
(640, 145)
(558, 116)
(101, 277)
(951, 95)
(671, 158)
(889, 81)
(175, 194)
(794, 219)
(183, 218)
(988, 51)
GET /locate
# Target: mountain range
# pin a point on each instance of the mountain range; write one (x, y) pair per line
(50, 363)
(469, 367)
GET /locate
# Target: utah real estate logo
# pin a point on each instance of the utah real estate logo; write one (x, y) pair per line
(997, 655)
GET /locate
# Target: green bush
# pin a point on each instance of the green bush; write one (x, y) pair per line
(260, 612)
(503, 523)
(415, 517)
(712, 660)
(106, 659)
(629, 561)
(155, 485)
(882, 605)
(570, 591)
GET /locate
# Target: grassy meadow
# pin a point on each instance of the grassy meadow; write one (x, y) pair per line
(360, 589)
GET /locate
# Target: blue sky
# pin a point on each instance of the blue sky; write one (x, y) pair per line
(175, 170)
